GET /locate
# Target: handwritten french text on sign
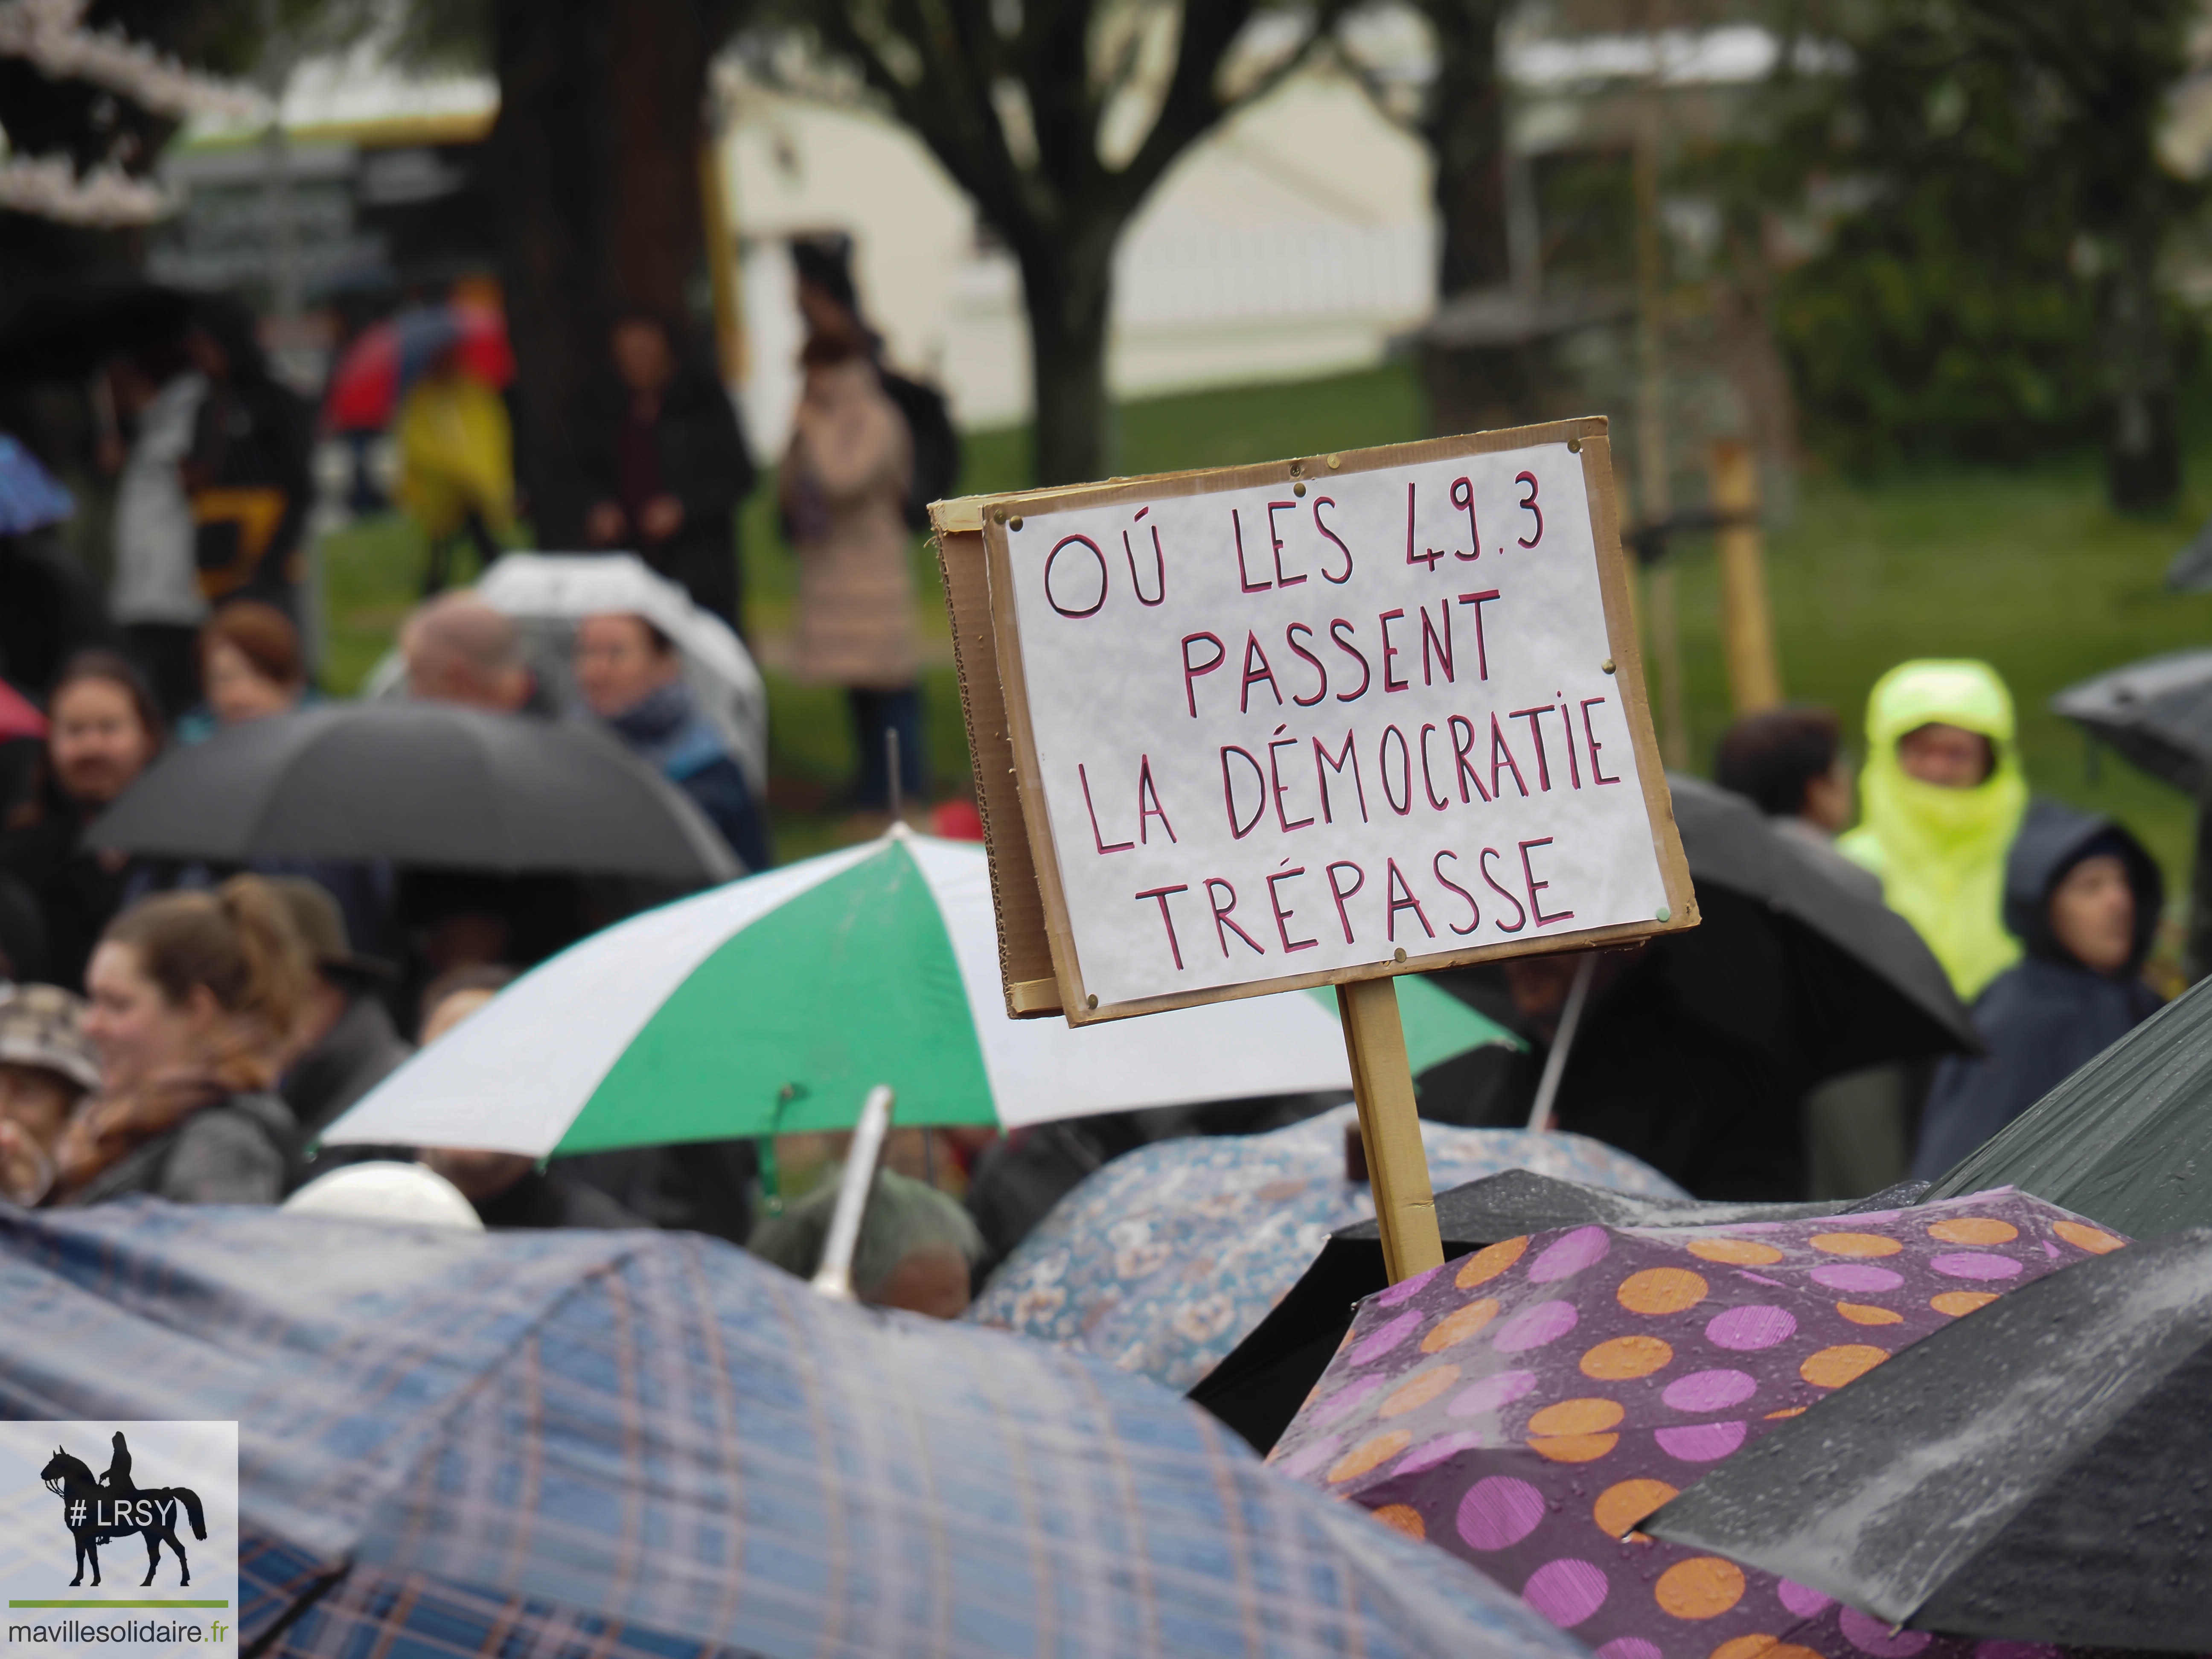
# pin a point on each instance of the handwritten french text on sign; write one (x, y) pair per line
(1282, 731)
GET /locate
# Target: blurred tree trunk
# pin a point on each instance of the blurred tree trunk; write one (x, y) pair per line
(1068, 290)
(1464, 124)
(596, 159)
(2142, 454)
(2111, 69)
(1014, 99)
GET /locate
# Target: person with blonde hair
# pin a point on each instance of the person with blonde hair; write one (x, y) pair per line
(194, 998)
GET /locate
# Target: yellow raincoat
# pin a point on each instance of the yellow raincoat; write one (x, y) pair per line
(456, 455)
(1941, 853)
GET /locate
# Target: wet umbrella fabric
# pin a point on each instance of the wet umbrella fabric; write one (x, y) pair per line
(1164, 1259)
(31, 498)
(380, 365)
(548, 593)
(565, 587)
(2157, 714)
(18, 717)
(773, 1006)
(418, 783)
(1258, 1388)
(2190, 570)
(64, 330)
(2126, 1140)
(1526, 1407)
(1791, 961)
(2037, 1472)
(650, 1444)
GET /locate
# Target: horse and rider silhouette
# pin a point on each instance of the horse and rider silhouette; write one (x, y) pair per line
(98, 1510)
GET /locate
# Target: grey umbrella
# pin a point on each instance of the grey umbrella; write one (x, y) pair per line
(418, 783)
(2156, 713)
(2037, 1471)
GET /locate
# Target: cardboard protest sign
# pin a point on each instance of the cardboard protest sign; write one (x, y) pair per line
(1308, 722)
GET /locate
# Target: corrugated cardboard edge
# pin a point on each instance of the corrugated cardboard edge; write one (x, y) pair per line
(1025, 970)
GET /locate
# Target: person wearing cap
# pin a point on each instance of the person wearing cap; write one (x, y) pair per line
(917, 1247)
(47, 1067)
(388, 1190)
(346, 1043)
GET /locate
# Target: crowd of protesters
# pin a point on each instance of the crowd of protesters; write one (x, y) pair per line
(186, 1031)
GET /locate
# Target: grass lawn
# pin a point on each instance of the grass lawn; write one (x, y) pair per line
(2027, 570)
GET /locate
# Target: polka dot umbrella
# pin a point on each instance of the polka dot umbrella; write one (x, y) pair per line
(1526, 1407)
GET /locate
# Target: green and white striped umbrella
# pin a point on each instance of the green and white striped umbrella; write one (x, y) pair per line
(772, 1005)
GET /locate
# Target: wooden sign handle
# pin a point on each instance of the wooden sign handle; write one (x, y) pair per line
(1382, 1085)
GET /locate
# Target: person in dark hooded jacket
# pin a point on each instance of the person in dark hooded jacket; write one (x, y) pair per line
(664, 460)
(2083, 898)
(247, 473)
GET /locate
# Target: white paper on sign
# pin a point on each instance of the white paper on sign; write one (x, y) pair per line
(1278, 733)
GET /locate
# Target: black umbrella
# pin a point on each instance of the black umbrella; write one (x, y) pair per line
(1792, 959)
(418, 783)
(2126, 1140)
(62, 331)
(1259, 1386)
(2156, 713)
(2038, 1471)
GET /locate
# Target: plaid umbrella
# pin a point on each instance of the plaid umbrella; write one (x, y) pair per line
(1526, 1407)
(1165, 1259)
(650, 1446)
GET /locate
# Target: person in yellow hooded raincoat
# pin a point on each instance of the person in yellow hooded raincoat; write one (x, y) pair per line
(456, 465)
(1941, 797)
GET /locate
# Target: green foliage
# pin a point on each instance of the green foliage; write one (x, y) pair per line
(1981, 176)
(1914, 337)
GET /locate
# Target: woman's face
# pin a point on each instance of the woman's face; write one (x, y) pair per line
(238, 691)
(98, 743)
(139, 1033)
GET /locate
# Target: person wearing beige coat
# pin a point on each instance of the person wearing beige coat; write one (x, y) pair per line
(844, 485)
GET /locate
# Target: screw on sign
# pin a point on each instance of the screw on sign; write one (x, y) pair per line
(1265, 734)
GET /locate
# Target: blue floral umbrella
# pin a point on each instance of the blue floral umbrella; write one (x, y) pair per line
(1167, 1258)
(651, 1446)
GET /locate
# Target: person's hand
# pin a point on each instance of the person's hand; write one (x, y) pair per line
(603, 524)
(662, 517)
